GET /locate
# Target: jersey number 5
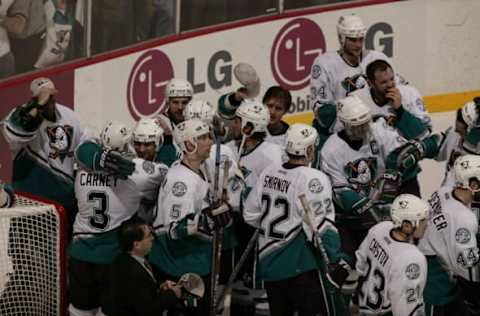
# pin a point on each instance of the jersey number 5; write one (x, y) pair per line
(99, 218)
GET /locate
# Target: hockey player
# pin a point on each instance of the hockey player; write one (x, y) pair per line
(147, 138)
(185, 217)
(362, 161)
(461, 139)
(392, 270)
(450, 243)
(287, 259)
(104, 202)
(42, 136)
(337, 73)
(401, 105)
(178, 93)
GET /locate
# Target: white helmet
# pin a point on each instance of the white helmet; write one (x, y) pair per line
(352, 111)
(189, 130)
(255, 113)
(470, 114)
(200, 110)
(350, 26)
(466, 167)
(115, 136)
(40, 83)
(299, 138)
(147, 131)
(408, 207)
(178, 88)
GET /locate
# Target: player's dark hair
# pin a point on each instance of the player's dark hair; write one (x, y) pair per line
(279, 93)
(130, 231)
(376, 65)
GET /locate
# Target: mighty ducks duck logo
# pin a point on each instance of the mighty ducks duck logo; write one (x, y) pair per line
(353, 83)
(362, 172)
(60, 139)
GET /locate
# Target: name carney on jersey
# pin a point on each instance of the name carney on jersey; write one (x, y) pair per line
(98, 180)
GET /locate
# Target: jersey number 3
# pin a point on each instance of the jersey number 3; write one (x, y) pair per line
(99, 218)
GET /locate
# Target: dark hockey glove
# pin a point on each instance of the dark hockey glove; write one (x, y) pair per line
(410, 154)
(387, 184)
(343, 277)
(112, 162)
(220, 214)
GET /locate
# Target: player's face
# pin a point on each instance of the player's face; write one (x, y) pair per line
(277, 110)
(420, 229)
(144, 246)
(384, 81)
(204, 144)
(176, 105)
(145, 151)
(358, 132)
(353, 46)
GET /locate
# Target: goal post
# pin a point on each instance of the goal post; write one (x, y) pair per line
(32, 258)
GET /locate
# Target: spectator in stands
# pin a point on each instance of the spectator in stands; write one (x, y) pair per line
(7, 24)
(42, 136)
(133, 287)
(26, 35)
(119, 23)
(163, 22)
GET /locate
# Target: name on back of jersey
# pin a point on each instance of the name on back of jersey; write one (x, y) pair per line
(275, 183)
(378, 252)
(98, 180)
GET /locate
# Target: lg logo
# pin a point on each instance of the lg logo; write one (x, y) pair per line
(300, 41)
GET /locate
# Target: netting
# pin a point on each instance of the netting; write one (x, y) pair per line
(31, 264)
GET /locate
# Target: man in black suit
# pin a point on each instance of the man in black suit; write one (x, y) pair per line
(133, 289)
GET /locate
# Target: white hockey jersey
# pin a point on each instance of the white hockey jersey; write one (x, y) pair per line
(412, 102)
(332, 78)
(394, 274)
(280, 139)
(358, 169)
(185, 192)
(450, 150)
(104, 201)
(451, 235)
(274, 205)
(255, 161)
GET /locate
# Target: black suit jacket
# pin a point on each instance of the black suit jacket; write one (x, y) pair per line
(132, 291)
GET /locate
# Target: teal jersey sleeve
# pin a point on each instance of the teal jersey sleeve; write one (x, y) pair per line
(409, 126)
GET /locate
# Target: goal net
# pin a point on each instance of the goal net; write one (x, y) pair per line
(32, 258)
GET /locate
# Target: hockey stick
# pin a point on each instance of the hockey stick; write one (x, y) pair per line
(218, 233)
(317, 239)
(226, 294)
